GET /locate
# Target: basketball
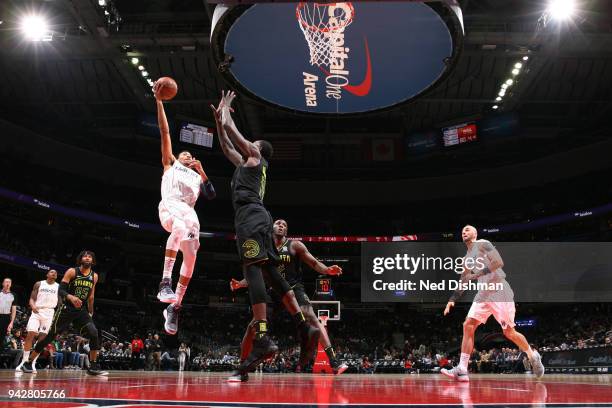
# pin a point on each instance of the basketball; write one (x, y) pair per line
(168, 88)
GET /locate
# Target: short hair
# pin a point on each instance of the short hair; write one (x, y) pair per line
(183, 151)
(79, 259)
(267, 151)
(7, 278)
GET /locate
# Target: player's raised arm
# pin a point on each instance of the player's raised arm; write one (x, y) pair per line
(306, 257)
(166, 143)
(247, 148)
(226, 145)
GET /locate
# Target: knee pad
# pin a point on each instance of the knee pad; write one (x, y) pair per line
(91, 331)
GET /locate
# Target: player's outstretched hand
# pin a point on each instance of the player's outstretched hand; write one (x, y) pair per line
(449, 305)
(227, 97)
(156, 88)
(334, 270)
(235, 285)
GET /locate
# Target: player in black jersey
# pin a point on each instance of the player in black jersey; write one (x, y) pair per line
(253, 225)
(77, 287)
(292, 253)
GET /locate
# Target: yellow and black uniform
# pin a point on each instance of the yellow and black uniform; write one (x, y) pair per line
(81, 287)
(252, 221)
(290, 268)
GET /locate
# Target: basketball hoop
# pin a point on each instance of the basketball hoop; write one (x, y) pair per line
(322, 24)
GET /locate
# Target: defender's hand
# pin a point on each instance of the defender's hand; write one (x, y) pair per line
(234, 285)
(449, 305)
(334, 270)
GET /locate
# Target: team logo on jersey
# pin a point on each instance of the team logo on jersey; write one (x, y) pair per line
(251, 248)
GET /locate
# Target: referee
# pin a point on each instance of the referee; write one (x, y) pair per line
(8, 308)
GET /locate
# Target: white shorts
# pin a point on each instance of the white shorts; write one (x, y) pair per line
(502, 311)
(40, 322)
(177, 214)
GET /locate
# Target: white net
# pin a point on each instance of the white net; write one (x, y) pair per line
(323, 24)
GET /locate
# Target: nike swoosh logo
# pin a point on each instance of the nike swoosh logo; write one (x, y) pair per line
(365, 86)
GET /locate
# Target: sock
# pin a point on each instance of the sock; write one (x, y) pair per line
(261, 329)
(331, 353)
(26, 357)
(299, 319)
(180, 292)
(465, 360)
(168, 267)
(35, 358)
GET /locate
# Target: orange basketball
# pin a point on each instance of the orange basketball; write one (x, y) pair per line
(168, 88)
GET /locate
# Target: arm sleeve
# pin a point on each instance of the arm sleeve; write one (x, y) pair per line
(208, 190)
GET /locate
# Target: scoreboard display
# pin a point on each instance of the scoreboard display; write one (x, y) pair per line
(323, 286)
(196, 134)
(459, 134)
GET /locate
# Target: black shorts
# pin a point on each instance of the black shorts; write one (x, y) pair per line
(64, 315)
(274, 300)
(254, 239)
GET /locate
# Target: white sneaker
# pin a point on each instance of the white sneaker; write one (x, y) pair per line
(456, 373)
(536, 365)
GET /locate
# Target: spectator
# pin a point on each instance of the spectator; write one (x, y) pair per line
(8, 307)
(183, 356)
(137, 348)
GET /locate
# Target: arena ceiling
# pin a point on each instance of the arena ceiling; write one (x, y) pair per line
(83, 78)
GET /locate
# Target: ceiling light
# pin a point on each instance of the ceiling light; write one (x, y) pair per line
(561, 9)
(35, 28)
(135, 61)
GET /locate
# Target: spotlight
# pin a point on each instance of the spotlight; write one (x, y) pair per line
(515, 71)
(502, 93)
(495, 106)
(509, 82)
(135, 61)
(145, 74)
(518, 65)
(504, 86)
(561, 9)
(102, 3)
(141, 67)
(499, 98)
(525, 58)
(35, 28)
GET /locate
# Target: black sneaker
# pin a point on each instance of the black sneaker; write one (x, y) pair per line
(166, 294)
(94, 369)
(27, 367)
(309, 341)
(171, 314)
(238, 376)
(263, 349)
(338, 367)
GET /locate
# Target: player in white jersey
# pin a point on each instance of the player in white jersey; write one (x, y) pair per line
(43, 301)
(499, 303)
(182, 181)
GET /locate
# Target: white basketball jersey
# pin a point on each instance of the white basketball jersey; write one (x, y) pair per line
(477, 251)
(180, 183)
(47, 295)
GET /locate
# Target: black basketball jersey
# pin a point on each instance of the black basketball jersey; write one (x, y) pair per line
(249, 184)
(81, 286)
(289, 266)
